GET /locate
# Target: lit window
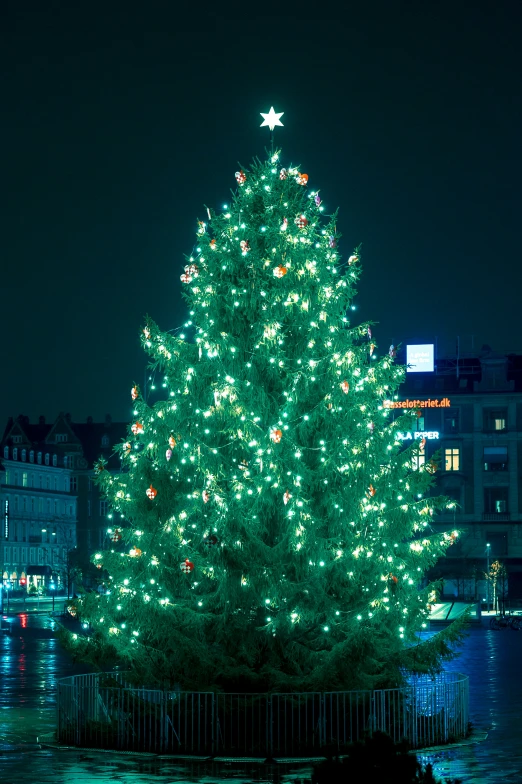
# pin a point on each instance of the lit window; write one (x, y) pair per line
(24, 479)
(420, 459)
(452, 458)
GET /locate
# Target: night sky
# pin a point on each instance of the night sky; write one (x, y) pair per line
(118, 126)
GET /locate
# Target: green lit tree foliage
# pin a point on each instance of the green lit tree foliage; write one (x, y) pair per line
(274, 531)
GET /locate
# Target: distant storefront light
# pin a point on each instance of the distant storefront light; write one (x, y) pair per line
(443, 402)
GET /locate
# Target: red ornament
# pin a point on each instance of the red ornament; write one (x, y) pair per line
(185, 278)
(241, 177)
(187, 566)
(393, 578)
(210, 541)
(353, 259)
(245, 246)
(192, 269)
(345, 386)
(283, 174)
(276, 435)
(134, 393)
(205, 496)
(301, 222)
(422, 443)
(372, 348)
(286, 498)
(280, 271)
(213, 245)
(115, 535)
(201, 228)
(371, 491)
(432, 467)
(151, 492)
(127, 447)
(135, 552)
(137, 428)
(301, 179)
(172, 442)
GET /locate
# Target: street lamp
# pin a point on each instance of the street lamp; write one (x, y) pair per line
(488, 550)
(52, 586)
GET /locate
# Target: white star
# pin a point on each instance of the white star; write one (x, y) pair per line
(271, 119)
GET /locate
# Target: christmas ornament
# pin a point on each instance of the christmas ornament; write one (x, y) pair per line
(280, 271)
(422, 444)
(332, 243)
(245, 246)
(213, 245)
(284, 224)
(137, 428)
(271, 119)
(146, 332)
(432, 467)
(301, 222)
(317, 200)
(345, 386)
(243, 466)
(185, 278)
(99, 467)
(201, 228)
(192, 269)
(370, 333)
(371, 427)
(353, 259)
(168, 454)
(210, 541)
(286, 498)
(276, 435)
(134, 393)
(393, 351)
(72, 610)
(283, 174)
(172, 442)
(187, 566)
(135, 552)
(371, 491)
(372, 348)
(241, 177)
(115, 535)
(127, 447)
(205, 496)
(151, 492)
(301, 179)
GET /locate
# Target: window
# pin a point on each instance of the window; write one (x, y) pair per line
(31, 456)
(39, 458)
(24, 455)
(498, 544)
(91, 483)
(15, 478)
(24, 479)
(71, 511)
(32, 480)
(24, 501)
(15, 555)
(74, 484)
(17, 439)
(420, 425)
(105, 441)
(495, 458)
(48, 482)
(6, 452)
(32, 504)
(103, 508)
(23, 555)
(495, 419)
(47, 458)
(419, 459)
(56, 507)
(48, 506)
(495, 500)
(453, 493)
(452, 458)
(7, 477)
(60, 438)
(55, 460)
(451, 420)
(41, 480)
(31, 555)
(15, 453)
(40, 505)
(56, 483)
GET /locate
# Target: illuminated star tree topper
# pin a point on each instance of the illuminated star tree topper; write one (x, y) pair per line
(271, 119)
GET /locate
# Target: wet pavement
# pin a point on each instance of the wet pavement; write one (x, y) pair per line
(31, 660)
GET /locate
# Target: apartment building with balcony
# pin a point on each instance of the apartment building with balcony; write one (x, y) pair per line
(472, 414)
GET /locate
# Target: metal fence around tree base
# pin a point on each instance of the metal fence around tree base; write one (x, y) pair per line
(102, 710)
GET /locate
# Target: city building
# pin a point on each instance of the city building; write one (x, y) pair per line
(471, 423)
(53, 515)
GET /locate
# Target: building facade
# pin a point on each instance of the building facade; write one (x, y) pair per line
(471, 420)
(53, 515)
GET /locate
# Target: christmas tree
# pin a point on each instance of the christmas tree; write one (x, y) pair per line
(269, 529)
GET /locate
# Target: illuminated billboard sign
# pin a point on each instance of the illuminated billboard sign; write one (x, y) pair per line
(420, 358)
(443, 402)
(429, 435)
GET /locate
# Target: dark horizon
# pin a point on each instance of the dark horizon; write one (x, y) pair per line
(120, 130)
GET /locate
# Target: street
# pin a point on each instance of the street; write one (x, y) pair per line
(31, 661)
